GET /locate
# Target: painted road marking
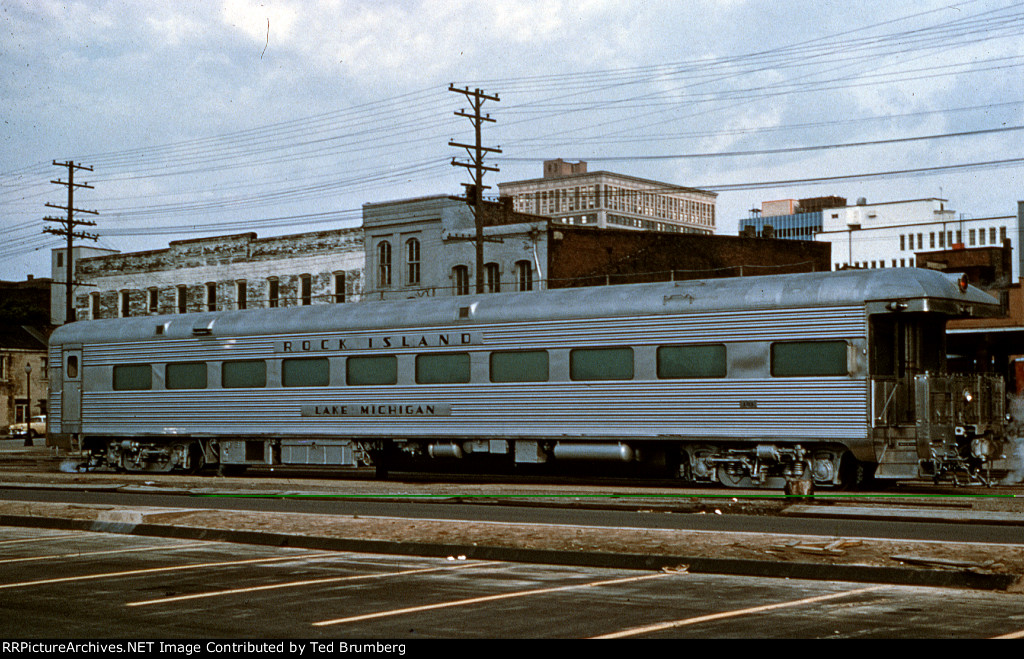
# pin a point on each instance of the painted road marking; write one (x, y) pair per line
(155, 570)
(488, 598)
(636, 631)
(101, 552)
(308, 582)
(40, 538)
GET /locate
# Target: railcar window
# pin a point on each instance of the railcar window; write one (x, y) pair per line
(691, 362)
(804, 358)
(133, 377)
(305, 372)
(448, 368)
(379, 369)
(250, 373)
(601, 364)
(189, 375)
(519, 366)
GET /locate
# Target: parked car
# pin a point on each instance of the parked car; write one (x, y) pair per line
(36, 428)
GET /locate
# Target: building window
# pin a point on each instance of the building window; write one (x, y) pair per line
(241, 294)
(339, 287)
(384, 264)
(125, 309)
(94, 301)
(60, 259)
(460, 274)
(942, 240)
(306, 289)
(992, 236)
(931, 240)
(154, 300)
(981, 236)
(493, 276)
(412, 249)
(920, 242)
(273, 292)
(211, 297)
(1002, 234)
(903, 241)
(182, 299)
(524, 276)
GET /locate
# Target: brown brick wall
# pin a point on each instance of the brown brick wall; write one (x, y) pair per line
(592, 257)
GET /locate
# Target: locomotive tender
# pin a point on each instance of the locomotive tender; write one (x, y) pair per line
(822, 378)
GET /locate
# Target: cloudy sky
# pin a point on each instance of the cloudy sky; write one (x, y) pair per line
(281, 116)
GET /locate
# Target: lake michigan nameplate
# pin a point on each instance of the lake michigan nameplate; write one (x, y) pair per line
(377, 409)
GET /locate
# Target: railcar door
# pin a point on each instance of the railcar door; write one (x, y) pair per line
(903, 346)
(71, 397)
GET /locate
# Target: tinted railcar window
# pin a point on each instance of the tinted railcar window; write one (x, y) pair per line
(519, 366)
(449, 368)
(804, 358)
(249, 373)
(305, 372)
(691, 361)
(191, 375)
(133, 377)
(380, 369)
(601, 364)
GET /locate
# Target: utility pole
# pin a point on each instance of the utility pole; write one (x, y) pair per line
(476, 167)
(68, 230)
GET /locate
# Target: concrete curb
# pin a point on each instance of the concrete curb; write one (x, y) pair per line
(903, 576)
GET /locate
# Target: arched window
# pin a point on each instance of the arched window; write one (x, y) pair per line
(384, 264)
(524, 275)
(460, 274)
(493, 276)
(412, 250)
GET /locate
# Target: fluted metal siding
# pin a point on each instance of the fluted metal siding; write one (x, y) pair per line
(833, 408)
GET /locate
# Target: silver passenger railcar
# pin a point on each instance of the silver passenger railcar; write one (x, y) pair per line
(759, 381)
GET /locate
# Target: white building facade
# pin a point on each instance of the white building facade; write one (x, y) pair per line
(890, 234)
(425, 247)
(569, 194)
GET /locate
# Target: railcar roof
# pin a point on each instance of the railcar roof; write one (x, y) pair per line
(845, 288)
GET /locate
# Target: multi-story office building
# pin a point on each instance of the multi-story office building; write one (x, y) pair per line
(891, 234)
(882, 235)
(569, 194)
(789, 219)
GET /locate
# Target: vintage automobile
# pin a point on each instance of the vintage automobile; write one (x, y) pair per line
(35, 428)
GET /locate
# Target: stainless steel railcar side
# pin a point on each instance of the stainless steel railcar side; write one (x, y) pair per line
(743, 381)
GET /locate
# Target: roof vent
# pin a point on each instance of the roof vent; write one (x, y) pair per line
(203, 329)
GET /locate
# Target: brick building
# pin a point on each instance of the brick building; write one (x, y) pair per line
(238, 271)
